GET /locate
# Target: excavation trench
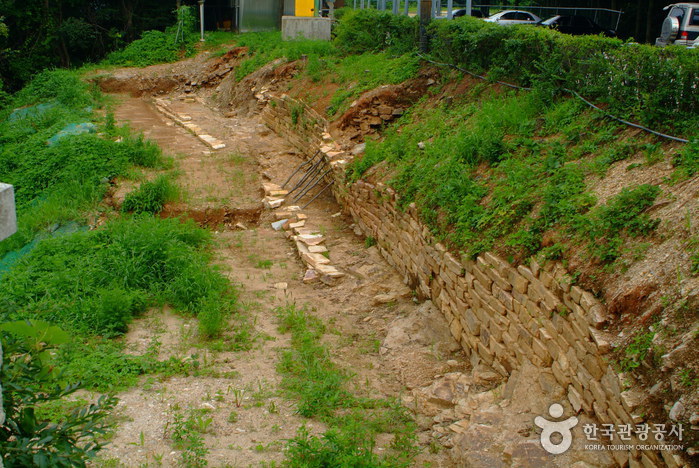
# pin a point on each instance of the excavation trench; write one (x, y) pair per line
(473, 397)
(391, 344)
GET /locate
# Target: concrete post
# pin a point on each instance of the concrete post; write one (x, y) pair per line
(469, 4)
(450, 9)
(407, 7)
(201, 19)
(396, 6)
(425, 18)
(8, 215)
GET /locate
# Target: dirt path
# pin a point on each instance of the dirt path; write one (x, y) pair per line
(236, 398)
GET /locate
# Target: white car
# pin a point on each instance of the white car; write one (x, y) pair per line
(513, 17)
(681, 26)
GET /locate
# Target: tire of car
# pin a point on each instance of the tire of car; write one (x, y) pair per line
(670, 29)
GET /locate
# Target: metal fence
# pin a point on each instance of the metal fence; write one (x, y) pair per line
(445, 9)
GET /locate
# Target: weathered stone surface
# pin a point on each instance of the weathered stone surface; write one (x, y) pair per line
(8, 214)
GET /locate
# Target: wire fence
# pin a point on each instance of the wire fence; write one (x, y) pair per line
(445, 9)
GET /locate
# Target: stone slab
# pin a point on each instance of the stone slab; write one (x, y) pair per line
(8, 213)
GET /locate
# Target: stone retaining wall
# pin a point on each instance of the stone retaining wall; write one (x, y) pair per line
(502, 315)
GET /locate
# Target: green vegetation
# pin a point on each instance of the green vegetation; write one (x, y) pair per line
(370, 30)
(154, 47)
(187, 430)
(151, 197)
(90, 283)
(637, 351)
(267, 46)
(64, 180)
(625, 77)
(504, 169)
(310, 375)
(31, 380)
(95, 282)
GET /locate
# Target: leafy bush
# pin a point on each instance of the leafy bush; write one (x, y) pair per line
(153, 47)
(30, 379)
(370, 30)
(63, 86)
(150, 197)
(96, 281)
(628, 78)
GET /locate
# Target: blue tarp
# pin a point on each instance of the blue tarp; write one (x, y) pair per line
(72, 129)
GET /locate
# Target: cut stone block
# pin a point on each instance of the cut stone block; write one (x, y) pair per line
(298, 224)
(331, 271)
(273, 202)
(8, 215)
(278, 225)
(317, 248)
(315, 260)
(311, 239)
(270, 187)
(278, 193)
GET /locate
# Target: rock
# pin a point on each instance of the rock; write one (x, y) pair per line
(310, 276)
(317, 249)
(272, 203)
(278, 225)
(425, 326)
(677, 410)
(330, 271)
(484, 375)
(241, 226)
(694, 419)
(459, 427)
(359, 149)
(281, 285)
(311, 239)
(384, 299)
(421, 145)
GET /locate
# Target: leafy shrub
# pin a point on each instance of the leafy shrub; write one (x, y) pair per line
(29, 380)
(150, 197)
(370, 30)
(153, 47)
(96, 281)
(628, 78)
(63, 86)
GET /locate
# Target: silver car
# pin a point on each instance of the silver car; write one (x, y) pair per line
(513, 17)
(681, 26)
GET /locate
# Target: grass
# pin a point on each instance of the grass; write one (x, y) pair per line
(502, 170)
(151, 197)
(65, 181)
(310, 375)
(95, 282)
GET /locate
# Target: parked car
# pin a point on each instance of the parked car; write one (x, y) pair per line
(681, 26)
(576, 25)
(508, 17)
(462, 12)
